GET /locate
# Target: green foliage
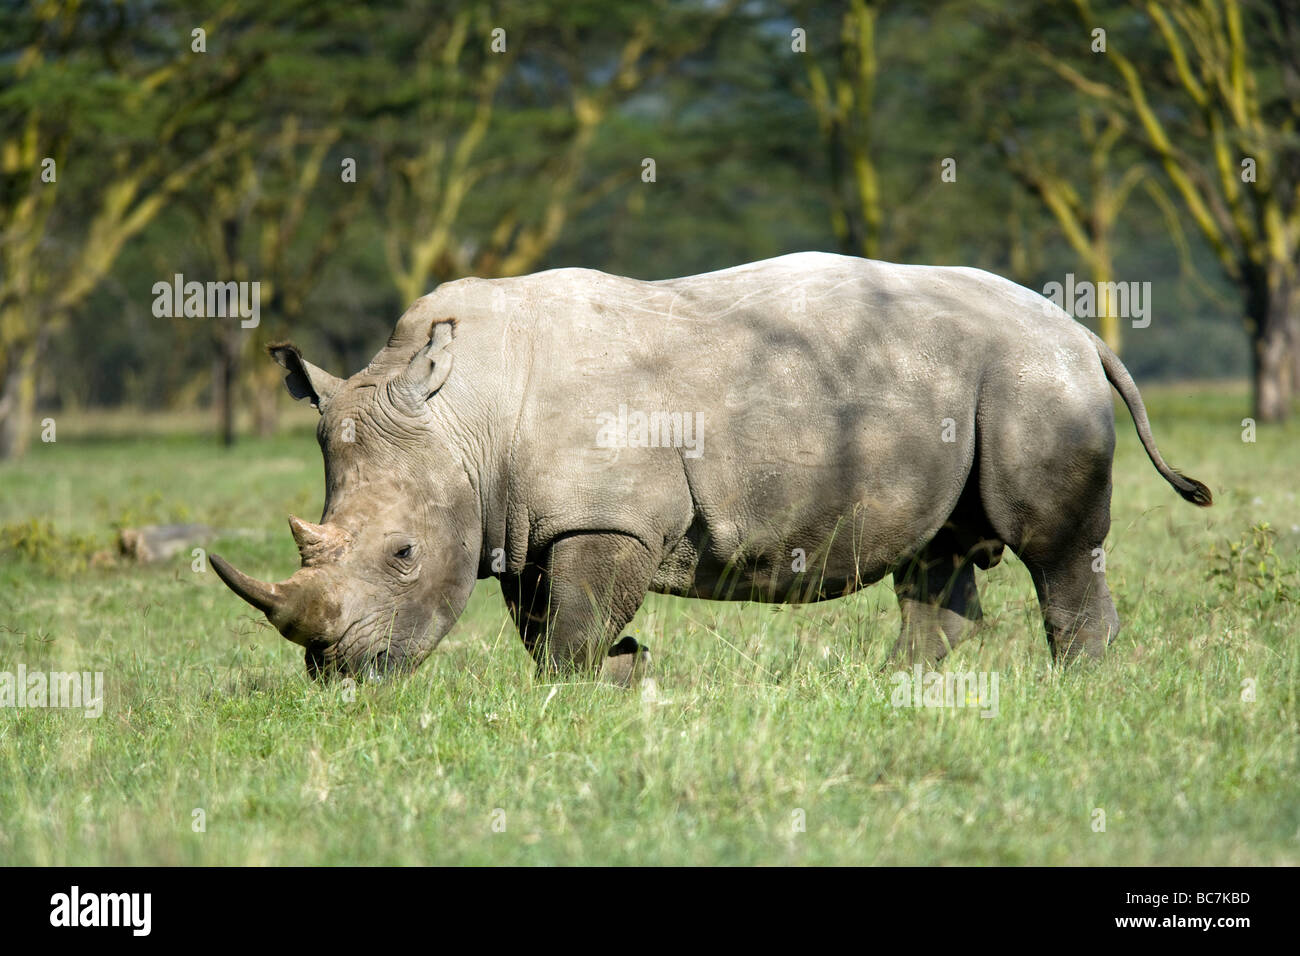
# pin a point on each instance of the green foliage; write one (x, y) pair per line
(1250, 568)
(37, 542)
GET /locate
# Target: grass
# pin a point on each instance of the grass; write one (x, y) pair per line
(774, 742)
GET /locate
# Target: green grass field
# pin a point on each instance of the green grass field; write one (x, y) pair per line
(774, 740)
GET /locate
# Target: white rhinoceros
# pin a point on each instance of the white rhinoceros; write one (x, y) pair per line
(784, 431)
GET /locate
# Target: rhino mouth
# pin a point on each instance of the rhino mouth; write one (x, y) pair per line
(316, 669)
(381, 665)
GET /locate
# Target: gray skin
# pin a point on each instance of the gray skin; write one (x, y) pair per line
(870, 417)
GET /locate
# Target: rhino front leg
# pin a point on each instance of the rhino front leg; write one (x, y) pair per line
(940, 606)
(571, 611)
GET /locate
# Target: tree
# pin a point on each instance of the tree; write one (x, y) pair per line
(1218, 111)
(484, 145)
(96, 137)
(1087, 218)
(841, 87)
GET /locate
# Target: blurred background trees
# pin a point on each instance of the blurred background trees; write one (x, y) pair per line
(349, 157)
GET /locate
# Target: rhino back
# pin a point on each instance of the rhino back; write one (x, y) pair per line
(833, 401)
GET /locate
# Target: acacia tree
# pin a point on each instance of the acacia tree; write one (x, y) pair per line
(1087, 217)
(1070, 154)
(878, 79)
(255, 226)
(1216, 104)
(841, 71)
(102, 123)
(484, 143)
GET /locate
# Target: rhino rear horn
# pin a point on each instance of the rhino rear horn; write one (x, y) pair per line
(316, 541)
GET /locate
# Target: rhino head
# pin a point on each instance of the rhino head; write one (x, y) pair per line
(392, 563)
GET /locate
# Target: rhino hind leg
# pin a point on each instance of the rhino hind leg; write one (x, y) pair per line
(939, 601)
(571, 609)
(1078, 613)
(937, 594)
(1056, 519)
(1067, 563)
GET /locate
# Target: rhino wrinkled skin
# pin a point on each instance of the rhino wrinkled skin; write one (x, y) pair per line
(846, 419)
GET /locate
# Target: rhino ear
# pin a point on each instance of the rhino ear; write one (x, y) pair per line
(304, 379)
(427, 370)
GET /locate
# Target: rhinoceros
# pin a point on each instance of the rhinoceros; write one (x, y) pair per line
(784, 431)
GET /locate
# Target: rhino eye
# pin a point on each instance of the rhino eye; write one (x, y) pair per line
(403, 553)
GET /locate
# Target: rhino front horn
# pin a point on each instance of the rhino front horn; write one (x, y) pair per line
(265, 597)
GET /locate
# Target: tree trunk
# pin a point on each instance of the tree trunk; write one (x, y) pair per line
(1108, 320)
(18, 398)
(1274, 364)
(1295, 346)
(223, 386)
(17, 405)
(266, 406)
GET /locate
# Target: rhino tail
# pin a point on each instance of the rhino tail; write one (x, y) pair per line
(1118, 376)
